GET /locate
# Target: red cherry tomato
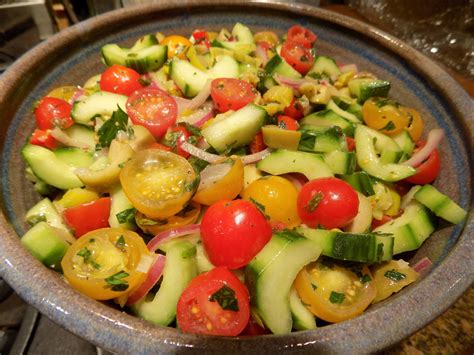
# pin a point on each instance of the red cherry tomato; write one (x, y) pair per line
(214, 303)
(153, 109)
(88, 216)
(231, 94)
(43, 139)
(257, 144)
(233, 232)
(298, 56)
(302, 35)
(253, 328)
(286, 122)
(294, 109)
(201, 37)
(120, 80)
(350, 144)
(53, 112)
(427, 171)
(160, 146)
(176, 137)
(379, 222)
(327, 202)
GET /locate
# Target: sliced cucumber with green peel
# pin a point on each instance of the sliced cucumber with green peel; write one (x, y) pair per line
(328, 118)
(303, 319)
(49, 168)
(82, 134)
(322, 139)
(283, 161)
(101, 103)
(361, 247)
(235, 130)
(440, 204)
(406, 144)
(121, 207)
(411, 229)
(225, 67)
(75, 157)
(325, 66)
(361, 181)
(331, 105)
(189, 79)
(340, 163)
(363, 88)
(180, 269)
(270, 276)
(277, 65)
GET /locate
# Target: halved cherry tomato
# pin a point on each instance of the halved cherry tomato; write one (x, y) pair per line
(379, 222)
(43, 138)
(103, 263)
(88, 216)
(158, 183)
(294, 109)
(384, 115)
(415, 122)
(286, 122)
(257, 144)
(391, 277)
(53, 112)
(298, 56)
(201, 37)
(177, 46)
(176, 137)
(231, 94)
(350, 144)
(214, 303)
(120, 80)
(302, 35)
(427, 171)
(335, 293)
(329, 202)
(276, 197)
(268, 37)
(153, 109)
(233, 232)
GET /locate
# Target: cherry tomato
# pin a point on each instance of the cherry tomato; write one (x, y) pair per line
(88, 216)
(158, 182)
(350, 144)
(177, 46)
(53, 112)
(201, 37)
(294, 109)
(268, 37)
(301, 35)
(298, 56)
(427, 171)
(286, 122)
(391, 277)
(156, 145)
(43, 138)
(103, 263)
(335, 293)
(329, 202)
(233, 232)
(120, 80)
(176, 137)
(152, 108)
(384, 115)
(277, 198)
(257, 144)
(254, 328)
(214, 303)
(379, 222)
(231, 94)
(415, 122)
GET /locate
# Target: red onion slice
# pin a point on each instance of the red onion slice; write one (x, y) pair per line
(252, 158)
(152, 278)
(77, 95)
(213, 173)
(197, 101)
(262, 53)
(434, 138)
(422, 265)
(171, 234)
(202, 154)
(199, 117)
(292, 82)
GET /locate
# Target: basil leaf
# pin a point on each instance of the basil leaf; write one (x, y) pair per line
(127, 215)
(314, 202)
(88, 259)
(108, 131)
(116, 282)
(225, 297)
(336, 297)
(394, 275)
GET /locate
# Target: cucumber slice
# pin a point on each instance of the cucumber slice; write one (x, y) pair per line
(101, 103)
(74, 157)
(144, 42)
(235, 130)
(322, 139)
(368, 160)
(303, 319)
(120, 204)
(331, 105)
(361, 247)
(340, 163)
(411, 229)
(242, 33)
(189, 79)
(363, 88)
(277, 65)
(145, 59)
(284, 161)
(82, 134)
(325, 66)
(361, 181)
(46, 244)
(328, 118)
(363, 220)
(270, 276)
(225, 67)
(440, 204)
(202, 261)
(46, 165)
(180, 269)
(406, 144)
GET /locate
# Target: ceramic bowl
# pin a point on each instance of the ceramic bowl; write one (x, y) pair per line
(72, 56)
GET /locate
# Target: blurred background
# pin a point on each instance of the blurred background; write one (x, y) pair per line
(442, 29)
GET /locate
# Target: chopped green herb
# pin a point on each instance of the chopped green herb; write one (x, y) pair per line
(120, 243)
(390, 126)
(381, 102)
(144, 82)
(36, 219)
(316, 76)
(314, 286)
(379, 251)
(195, 131)
(88, 259)
(314, 202)
(225, 296)
(365, 278)
(171, 138)
(260, 207)
(394, 275)
(336, 297)
(116, 282)
(108, 131)
(197, 164)
(127, 215)
(192, 185)
(92, 240)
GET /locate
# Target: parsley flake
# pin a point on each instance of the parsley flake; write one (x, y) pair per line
(260, 207)
(314, 286)
(390, 126)
(225, 296)
(365, 278)
(394, 275)
(314, 202)
(336, 297)
(116, 282)
(88, 259)
(120, 243)
(108, 131)
(127, 215)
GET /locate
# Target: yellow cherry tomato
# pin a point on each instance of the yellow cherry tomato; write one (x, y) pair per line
(102, 264)
(222, 181)
(384, 115)
(177, 46)
(415, 122)
(266, 36)
(391, 277)
(277, 196)
(158, 183)
(334, 293)
(396, 200)
(63, 92)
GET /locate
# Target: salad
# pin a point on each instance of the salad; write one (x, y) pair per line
(232, 183)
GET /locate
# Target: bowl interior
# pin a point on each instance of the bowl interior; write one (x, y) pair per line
(73, 56)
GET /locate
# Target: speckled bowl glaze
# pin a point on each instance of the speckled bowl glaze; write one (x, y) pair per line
(72, 56)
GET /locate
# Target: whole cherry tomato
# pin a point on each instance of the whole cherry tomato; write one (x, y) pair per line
(298, 56)
(120, 80)
(301, 35)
